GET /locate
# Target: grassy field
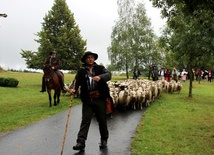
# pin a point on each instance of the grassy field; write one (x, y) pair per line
(173, 124)
(25, 104)
(176, 124)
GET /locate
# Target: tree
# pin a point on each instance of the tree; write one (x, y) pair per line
(120, 50)
(59, 32)
(132, 39)
(164, 43)
(145, 50)
(191, 29)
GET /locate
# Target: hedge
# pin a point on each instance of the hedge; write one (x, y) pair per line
(8, 82)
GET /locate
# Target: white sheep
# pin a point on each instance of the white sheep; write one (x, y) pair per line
(148, 97)
(124, 98)
(114, 96)
(179, 87)
(133, 99)
(141, 98)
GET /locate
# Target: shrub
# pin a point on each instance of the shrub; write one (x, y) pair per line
(8, 82)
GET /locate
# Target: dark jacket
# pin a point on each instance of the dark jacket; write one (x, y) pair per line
(53, 62)
(82, 80)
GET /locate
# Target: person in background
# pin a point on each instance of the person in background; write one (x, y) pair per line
(167, 75)
(196, 75)
(92, 80)
(184, 75)
(199, 74)
(205, 75)
(162, 73)
(193, 74)
(175, 74)
(136, 73)
(154, 73)
(54, 62)
(209, 76)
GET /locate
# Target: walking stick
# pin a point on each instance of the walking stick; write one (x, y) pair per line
(66, 126)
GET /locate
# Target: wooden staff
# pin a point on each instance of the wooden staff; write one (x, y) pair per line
(66, 126)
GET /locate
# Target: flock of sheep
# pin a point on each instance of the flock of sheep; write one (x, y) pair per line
(135, 94)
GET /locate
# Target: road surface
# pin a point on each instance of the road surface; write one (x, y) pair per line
(45, 137)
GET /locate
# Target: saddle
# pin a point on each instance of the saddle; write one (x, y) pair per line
(59, 73)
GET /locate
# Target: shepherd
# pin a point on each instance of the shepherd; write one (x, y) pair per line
(92, 78)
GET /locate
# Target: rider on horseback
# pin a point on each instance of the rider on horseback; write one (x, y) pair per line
(54, 62)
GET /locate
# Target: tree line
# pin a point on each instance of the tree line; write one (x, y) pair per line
(186, 40)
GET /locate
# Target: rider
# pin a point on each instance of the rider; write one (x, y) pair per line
(54, 62)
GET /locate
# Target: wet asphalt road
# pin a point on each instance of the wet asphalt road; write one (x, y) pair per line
(46, 136)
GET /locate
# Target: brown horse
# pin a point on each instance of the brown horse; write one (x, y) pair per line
(52, 82)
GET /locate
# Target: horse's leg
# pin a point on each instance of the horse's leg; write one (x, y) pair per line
(58, 96)
(55, 95)
(50, 98)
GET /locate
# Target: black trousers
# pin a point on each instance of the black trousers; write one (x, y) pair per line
(60, 78)
(89, 108)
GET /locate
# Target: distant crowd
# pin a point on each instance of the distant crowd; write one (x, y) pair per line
(174, 74)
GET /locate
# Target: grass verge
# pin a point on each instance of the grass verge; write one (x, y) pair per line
(176, 124)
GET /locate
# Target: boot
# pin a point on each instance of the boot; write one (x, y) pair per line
(62, 85)
(61, 81)
(43, 85)
(79, 146)
(103, 144)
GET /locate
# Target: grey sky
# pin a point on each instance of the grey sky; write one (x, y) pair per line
(95, 19)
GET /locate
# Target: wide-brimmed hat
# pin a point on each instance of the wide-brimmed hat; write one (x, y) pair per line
(53, 52)
(89, 53)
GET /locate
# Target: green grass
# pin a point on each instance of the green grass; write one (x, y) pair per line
(25, 105)
(176, 124)
(173, 124)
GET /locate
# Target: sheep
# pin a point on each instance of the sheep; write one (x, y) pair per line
(141, 96)
(134, 93)
(170, 88)
(114, 96)
(148, 97)
(124, 98)
(154, 90)
(160, 89)
(179, 87)
(133, 99)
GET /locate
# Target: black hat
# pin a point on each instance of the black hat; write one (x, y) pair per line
(53, 52)
(88, 53)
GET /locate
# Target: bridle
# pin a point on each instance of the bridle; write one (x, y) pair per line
(50, 70)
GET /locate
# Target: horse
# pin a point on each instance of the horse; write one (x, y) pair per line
(52, 82)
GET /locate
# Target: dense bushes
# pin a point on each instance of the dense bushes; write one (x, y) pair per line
(8, 82)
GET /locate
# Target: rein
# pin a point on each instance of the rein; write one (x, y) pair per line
(50, 76)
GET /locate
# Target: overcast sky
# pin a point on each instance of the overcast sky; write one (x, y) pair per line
(94, 17)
